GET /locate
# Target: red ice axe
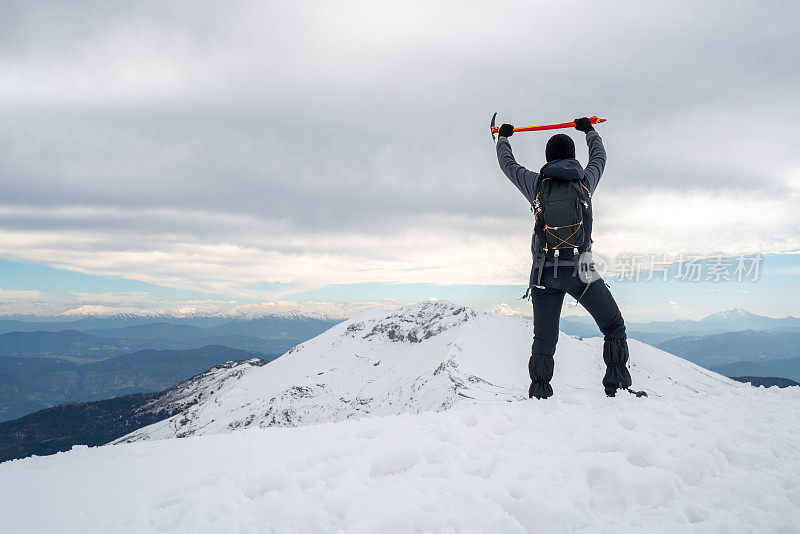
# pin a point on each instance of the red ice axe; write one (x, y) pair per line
(494, 129)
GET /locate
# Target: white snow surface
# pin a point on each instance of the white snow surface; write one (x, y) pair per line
(721, 461)
(700, 454)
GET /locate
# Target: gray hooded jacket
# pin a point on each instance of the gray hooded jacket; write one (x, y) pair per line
(528, 181)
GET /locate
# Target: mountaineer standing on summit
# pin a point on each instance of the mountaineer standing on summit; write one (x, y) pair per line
(560, 196)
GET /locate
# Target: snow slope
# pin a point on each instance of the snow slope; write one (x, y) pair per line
(190, 392)
(424, 357)
(727, 460)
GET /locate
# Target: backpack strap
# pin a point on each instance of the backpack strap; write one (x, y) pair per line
(539, 277)
(585, 289)
(580, 185)
(555, 263)
(538, 264)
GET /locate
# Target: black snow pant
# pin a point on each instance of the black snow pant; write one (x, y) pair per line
(600, 304)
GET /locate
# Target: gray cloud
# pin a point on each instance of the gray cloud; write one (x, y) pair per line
(358, 130)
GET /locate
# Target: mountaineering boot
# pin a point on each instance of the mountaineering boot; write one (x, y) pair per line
(540, 367)
(615, 354)
(540, 390)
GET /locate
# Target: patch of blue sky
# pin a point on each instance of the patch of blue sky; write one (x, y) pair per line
(61, 283)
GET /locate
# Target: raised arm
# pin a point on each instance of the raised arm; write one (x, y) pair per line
(526, 181)
(597, 159)
(597, 154)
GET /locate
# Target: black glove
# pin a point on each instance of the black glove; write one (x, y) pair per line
(583, 125)
(506, 130)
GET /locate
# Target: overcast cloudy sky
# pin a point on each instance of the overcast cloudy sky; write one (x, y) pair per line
(209, 154)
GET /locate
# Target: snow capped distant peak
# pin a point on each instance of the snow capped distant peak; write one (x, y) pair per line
(296, 310)
(414, 323)
(735, 313)
(121, 314)
(243, 313)
(224, 310)
(246, 315)
(505, 309)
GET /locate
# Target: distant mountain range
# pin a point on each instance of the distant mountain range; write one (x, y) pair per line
(732, 320)
(267, 326)
(48, 361)
(64, 344)
(32, 383)
(99, 422)
(766, 381)
(714, 350)
(83, 346)
(95, 338)
(243, 313)
(787, 368)
(717, 340)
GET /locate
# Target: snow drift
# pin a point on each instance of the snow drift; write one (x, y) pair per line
(425, 357)
(719, 461)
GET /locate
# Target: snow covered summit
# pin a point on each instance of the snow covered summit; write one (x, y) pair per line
(424, 357)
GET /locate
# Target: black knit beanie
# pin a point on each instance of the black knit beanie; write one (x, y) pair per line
(560, 146)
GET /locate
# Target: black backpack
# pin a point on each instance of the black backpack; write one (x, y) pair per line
(563, 211)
